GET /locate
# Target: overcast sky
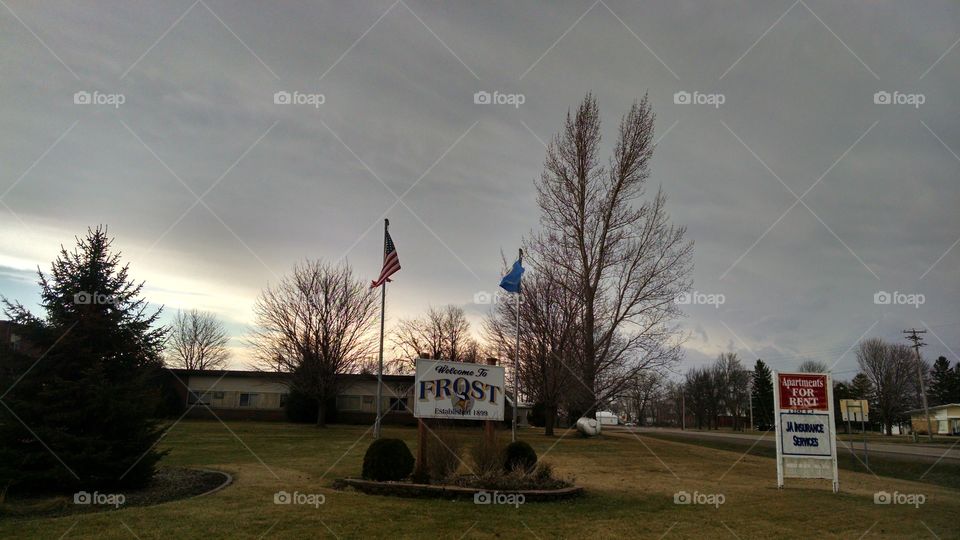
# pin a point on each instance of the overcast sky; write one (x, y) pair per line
(805, 191)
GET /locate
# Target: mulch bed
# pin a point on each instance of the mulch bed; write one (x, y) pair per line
(169, 484)
(405, 489)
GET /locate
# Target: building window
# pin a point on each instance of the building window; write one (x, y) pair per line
(283, 400)
(398, 404)
(349, 403)
(198, 397)
(248, 400)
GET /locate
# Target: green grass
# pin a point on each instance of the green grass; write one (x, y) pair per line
(630, 485)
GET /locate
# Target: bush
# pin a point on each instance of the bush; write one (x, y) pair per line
(387, 460)
(443, 454)
(487, 457)
(519, 455)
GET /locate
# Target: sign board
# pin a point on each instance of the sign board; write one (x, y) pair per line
(458, 390)
(806, 440)
(855, 410)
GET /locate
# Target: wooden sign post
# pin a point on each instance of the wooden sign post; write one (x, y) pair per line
(489, 428)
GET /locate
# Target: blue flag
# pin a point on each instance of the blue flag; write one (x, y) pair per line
(511, 281)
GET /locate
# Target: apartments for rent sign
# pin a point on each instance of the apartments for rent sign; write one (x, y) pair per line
(806, 443)
(457, 390)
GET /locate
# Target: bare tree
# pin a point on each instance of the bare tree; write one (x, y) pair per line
(644, 389)
(442, 333)
(732, 386)
(549, 318)
(812, 366)
(198, 341)
(315, 324)
(888, 367)
(625, 262)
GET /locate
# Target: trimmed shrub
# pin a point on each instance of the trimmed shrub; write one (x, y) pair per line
(443, 454)
(387, 460)
(519, 455)
(487, 457)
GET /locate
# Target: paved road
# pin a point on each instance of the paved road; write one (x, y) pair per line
(915, 452)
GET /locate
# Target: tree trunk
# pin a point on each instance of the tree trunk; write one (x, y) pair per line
(321, 414)
(549, 419)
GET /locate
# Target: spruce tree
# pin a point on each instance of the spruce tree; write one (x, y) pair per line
(762, 396)
(941, 382)
(81, 415)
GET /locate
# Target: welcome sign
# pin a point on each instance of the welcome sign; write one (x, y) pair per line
(458, 390)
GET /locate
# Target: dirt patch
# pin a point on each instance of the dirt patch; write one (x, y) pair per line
(169, 484)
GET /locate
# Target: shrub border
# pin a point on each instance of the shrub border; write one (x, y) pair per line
(411, 490)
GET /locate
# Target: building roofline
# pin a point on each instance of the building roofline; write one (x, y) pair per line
(934, 407)
(279, 375)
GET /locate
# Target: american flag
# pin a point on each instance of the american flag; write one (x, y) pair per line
(391, 262)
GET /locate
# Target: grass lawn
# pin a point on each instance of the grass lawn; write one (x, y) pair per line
(630, 486)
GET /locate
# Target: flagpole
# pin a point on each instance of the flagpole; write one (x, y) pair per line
(383, 309)
(516, 359)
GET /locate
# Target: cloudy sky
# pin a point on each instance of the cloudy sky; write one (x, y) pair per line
(810, 148)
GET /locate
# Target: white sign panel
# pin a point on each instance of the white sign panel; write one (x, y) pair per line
(458, 390)
(806, 441)
(805, 434)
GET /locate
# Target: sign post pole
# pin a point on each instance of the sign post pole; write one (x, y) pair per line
(833, 434)
(489, 430)
(776, 430)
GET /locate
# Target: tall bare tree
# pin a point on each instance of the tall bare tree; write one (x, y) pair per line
(549, 318)
(198, 341)
(442, 333)
(613, 246)
(315, 324)
(889, 368)
(812, 366)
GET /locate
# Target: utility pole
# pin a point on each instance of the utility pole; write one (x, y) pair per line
(750, 393)
(683, 410)
(917, 343)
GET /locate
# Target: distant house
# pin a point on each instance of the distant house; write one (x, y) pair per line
(945, 419)
(11, 336)
(607, 418)
(256, 395)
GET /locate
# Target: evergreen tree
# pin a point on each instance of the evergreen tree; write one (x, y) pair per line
(762, 396)
(81, 415)
(943, 383)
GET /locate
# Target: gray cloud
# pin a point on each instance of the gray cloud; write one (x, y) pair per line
(399, 104)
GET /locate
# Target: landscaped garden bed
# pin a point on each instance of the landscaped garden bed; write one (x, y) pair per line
(408, 489)
(168, 484)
